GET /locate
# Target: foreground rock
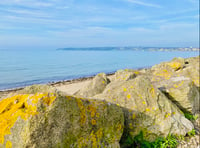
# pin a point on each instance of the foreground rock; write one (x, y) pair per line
(146, 109)
(97, 86)
(35, 117)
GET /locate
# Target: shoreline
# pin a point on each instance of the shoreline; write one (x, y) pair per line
(66, 82)
(57, 83)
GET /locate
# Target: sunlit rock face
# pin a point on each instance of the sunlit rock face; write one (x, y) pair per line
(146, 109)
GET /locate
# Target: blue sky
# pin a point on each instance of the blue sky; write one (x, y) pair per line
(83, 23)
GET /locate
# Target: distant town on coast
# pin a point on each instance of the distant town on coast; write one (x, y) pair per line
(135, 48)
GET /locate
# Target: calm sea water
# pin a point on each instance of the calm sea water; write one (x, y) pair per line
(25, 67)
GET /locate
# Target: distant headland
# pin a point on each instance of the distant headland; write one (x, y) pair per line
(132, 48)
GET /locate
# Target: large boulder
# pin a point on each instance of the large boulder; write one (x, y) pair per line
(177, 67)
(96, 86)
(182, 91)
(191, 70)
(38, 118)
(146, 109)
(166, 70)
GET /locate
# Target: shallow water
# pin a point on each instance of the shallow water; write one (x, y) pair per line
(25, 67)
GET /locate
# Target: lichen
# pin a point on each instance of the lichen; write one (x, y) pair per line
(164, 74)
(82, 111)
(175, 65)
(8, 144)
(22, 105)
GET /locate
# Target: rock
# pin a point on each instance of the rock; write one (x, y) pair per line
(193, 142)
(97, 86)
(146, 109)
(182, 91)
(191, 70)
(125, 75)
(43, 119)
(176, 68)
(37, 88)
(166, 70)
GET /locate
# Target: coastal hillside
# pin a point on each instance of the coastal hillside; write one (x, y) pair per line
(156, 107)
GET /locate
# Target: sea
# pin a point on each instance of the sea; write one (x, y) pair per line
(23, 67)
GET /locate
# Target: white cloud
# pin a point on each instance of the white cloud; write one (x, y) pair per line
(138, 2)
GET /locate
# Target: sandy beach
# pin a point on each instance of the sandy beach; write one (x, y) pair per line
(68, 86)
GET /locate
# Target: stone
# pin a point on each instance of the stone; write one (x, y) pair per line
(176, 68)
(96, 86)
(183, 92)
(45, 119)
(146, 109)
(125, 75)
(191, 70)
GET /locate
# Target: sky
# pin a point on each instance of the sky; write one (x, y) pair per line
(98, 23)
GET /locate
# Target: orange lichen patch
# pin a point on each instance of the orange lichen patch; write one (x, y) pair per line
(124, 89)
(136, 72)
(196, 81)
(164, 74)
(97, 115)
(114, 99)
(93, 139)
(128, 96)
(153, 108)
(22, 105)
(152, 91)
(82, 111)
(92, 110)
(8, 144)
(178, 85)
(167, 115)
(174, 65)
(119, 127)
(99, 133)
(143, 102)
(94, 122)
(147, 109)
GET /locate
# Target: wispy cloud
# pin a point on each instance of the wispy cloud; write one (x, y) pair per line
(138, 2)
(97, 22)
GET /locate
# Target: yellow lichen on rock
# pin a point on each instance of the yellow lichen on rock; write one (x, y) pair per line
(22, 105)
(164, 74)
(175, 65)
(8, 144)
(82, 111)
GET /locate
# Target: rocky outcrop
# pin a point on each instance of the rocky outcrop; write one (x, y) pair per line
(97, 86)
(43, 119)
(182, 91)
(177, 67)
(192, 70)
(146, 109)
